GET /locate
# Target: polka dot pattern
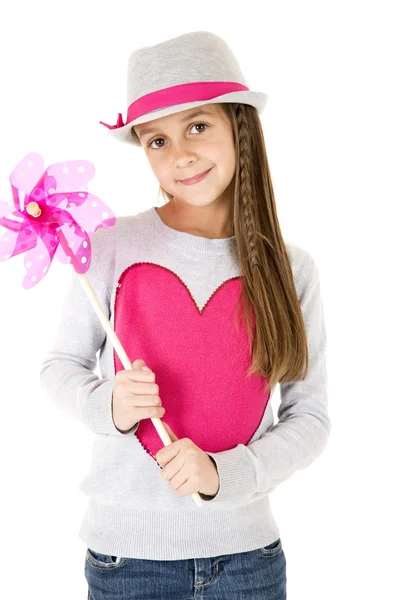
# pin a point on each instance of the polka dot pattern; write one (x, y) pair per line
(69, 214)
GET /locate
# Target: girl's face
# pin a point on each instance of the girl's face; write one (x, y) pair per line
(187, 143)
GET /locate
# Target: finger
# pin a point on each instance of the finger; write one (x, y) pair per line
(179, 479)
(186, 488)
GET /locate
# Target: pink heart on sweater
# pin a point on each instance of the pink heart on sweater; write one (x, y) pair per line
(198, 356)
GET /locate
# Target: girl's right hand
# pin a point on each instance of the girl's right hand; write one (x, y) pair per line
(135, 397)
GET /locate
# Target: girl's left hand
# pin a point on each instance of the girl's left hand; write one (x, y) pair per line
(187, 468)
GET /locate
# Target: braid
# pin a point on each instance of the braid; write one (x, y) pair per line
(245, 187)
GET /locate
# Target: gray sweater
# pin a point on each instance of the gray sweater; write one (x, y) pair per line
(131, 510)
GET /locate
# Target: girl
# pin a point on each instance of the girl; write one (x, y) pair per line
(215, 309)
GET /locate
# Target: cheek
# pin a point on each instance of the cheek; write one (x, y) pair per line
(230, 163)
(226, 163)
(223, 155)
(161, 172)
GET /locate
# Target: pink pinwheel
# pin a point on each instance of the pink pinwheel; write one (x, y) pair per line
(56, 216)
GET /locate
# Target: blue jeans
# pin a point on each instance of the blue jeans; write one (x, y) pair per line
(255, 575)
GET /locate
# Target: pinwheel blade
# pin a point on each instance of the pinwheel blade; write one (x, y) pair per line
(55, 216)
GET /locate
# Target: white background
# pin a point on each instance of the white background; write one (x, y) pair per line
(332, 131)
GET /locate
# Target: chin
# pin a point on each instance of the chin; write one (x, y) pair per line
(203, 198)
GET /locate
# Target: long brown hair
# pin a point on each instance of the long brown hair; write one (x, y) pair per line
(279, 348)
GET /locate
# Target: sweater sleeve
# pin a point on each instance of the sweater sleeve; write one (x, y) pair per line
(251, 471)
(66, 373)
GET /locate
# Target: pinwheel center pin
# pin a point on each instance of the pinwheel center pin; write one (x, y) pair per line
(33, 209)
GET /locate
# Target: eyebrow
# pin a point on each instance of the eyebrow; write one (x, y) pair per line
(197, 113)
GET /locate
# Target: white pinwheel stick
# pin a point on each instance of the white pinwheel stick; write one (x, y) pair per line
(158, 424)
(34, 210)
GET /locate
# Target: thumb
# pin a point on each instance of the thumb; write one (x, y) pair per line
(140, 364)
(170, 432)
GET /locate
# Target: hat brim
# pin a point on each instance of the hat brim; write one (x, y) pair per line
(123, 134)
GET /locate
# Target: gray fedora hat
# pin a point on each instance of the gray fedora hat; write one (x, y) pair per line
(180, 73)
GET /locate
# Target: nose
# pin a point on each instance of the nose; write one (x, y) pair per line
(182, 152)
(182, 162)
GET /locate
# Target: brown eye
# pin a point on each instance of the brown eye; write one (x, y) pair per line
(195, 125)
(156, 140)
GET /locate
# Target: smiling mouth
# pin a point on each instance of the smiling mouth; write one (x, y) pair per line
(196, 178)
